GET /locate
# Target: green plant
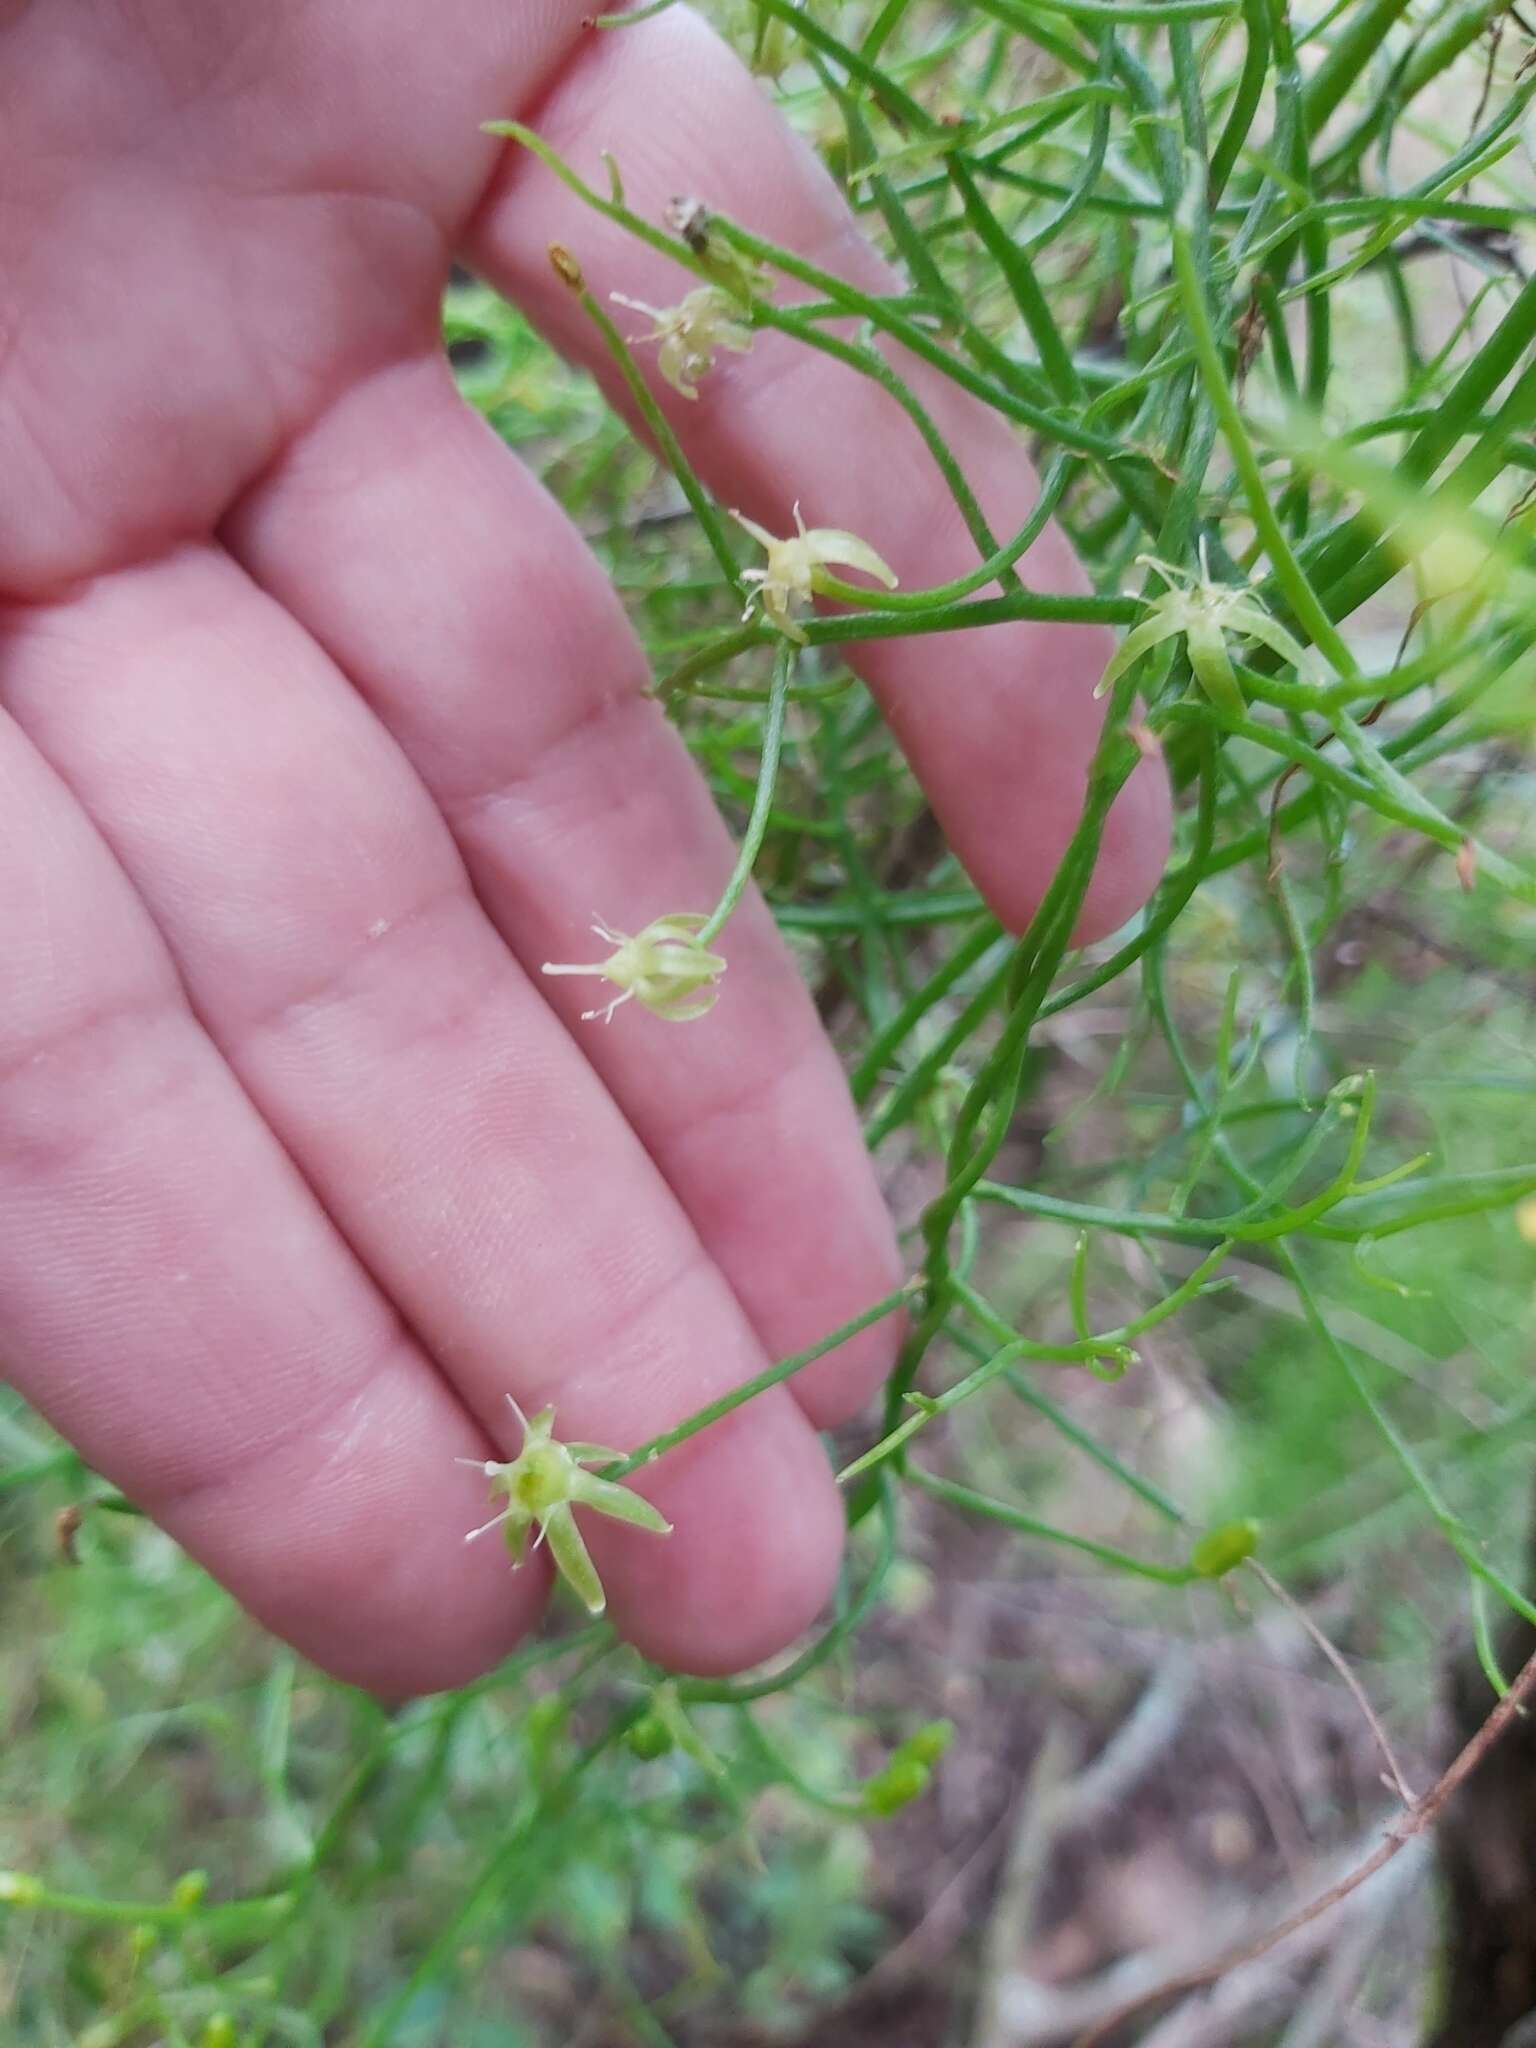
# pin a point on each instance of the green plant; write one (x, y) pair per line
(1179, 246)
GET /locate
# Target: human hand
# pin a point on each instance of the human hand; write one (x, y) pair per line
(320, 730)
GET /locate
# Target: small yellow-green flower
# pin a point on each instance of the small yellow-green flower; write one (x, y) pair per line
(792, 573)
(1205, 613)
(544, 1483)
(664, 967)
(702, 322)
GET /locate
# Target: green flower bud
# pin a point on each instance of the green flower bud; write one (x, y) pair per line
(649, 1737)
(190, 1889)
(903, 1780)
(929, 1743)
(1223, 1549)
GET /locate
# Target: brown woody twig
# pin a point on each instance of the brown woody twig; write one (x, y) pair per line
(1421, 1815)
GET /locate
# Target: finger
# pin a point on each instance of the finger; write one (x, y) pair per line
(324, 929)
(1000, 723)
(261, 198)
(474, 619)
(175, 1301)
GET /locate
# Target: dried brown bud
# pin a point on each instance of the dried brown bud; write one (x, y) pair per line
(565, 267)
(66, 1527)
(690, 219)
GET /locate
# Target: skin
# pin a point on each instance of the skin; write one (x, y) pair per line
(320, 730)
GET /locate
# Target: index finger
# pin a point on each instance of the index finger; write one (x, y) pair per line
(1000, 723)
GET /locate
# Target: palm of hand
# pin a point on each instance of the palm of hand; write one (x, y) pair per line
(320, 730)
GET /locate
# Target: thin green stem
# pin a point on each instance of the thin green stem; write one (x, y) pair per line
(1292, 579)
(762, 799)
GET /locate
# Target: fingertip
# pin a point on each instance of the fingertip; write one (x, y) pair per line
(754, 1553)
(836, 1387)
(426, 1623)
(1018, 756)
(351, 1545)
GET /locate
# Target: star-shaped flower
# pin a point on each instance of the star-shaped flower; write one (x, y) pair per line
(1205, 613)
(793, 570)
(702, 322)
(544, 1483)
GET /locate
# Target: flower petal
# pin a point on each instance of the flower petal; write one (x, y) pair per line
(830, 544)
(622, 1502)
(682, 1009)
(1212, 666)
(1257, 625)
(1135, 644)
(760, 534)
(573, 1560)
(517, 1524)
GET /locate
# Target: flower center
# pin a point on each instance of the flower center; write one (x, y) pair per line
(544, 1479)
